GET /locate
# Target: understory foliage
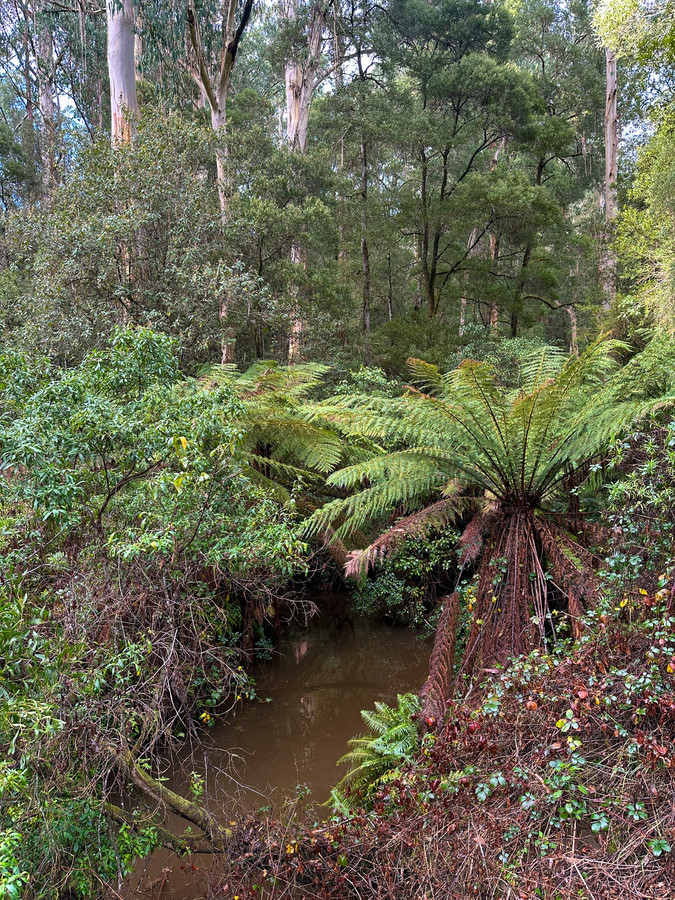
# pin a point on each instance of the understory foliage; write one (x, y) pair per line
(408, 584)
(141, 567)
(374, 759)
(641, 507)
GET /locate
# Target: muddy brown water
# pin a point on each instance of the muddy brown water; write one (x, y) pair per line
(310, 695)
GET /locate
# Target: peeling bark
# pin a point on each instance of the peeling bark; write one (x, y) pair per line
(301, 75)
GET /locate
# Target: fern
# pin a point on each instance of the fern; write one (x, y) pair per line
(513, 454)
(373, 758)
(286, 442)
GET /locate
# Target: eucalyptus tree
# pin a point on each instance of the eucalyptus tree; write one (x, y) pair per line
(302, 65)
(198, 42)
(121, 69)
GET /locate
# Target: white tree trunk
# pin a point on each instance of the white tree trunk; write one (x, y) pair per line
(219, 125)
(121, 69)
(300, 85)
(301, 76)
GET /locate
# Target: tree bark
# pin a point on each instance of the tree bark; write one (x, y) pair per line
(301, 75)
(215, 833)
(611, 137)
(608, 260)
(45, 63)
(216, 87)
(121, 70)
(214, 90)
(574, 336)
(472, 247)
(301, 82)
(365, 255)
(297, 326)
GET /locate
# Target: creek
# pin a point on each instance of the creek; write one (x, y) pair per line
(309, 698)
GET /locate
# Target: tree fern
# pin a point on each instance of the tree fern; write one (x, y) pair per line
(286, 443)
(513, 455)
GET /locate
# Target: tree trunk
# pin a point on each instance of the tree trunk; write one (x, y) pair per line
(300, 85)
(219, 125)
(608, 260)
(472, 247)
(216, 88)
(121, 70)
(390, 290)
(45, 64)
(301, 76)
(297, 325)
(574, 337)
(493, 318)
(28, 131)
(611, 137)
(365, 256)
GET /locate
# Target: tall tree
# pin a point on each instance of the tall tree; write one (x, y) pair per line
(302, 69)
(212, 71)
(121, 69)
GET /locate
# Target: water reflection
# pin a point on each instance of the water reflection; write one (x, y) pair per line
(317, 686)
(309, 700)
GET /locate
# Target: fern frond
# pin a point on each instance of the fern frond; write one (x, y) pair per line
(437, 515)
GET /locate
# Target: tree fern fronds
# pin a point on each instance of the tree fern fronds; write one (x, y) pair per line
(436, 688)
(291, 437)
(539, 367)
(268, 376)
(437, 515)
(280, 493)
(426, 374)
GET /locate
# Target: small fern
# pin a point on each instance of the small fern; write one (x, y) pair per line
(374, 758)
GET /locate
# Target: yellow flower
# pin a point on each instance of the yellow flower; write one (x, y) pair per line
(643, 592)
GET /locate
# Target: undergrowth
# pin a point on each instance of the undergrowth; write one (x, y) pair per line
(554, 779)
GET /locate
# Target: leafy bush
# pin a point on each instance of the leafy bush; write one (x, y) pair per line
(141, 565)
(408, 582)
(641, 500)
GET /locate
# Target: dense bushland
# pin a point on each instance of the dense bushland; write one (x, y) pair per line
(378, 305)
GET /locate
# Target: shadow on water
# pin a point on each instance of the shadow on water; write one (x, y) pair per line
(310, 695)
